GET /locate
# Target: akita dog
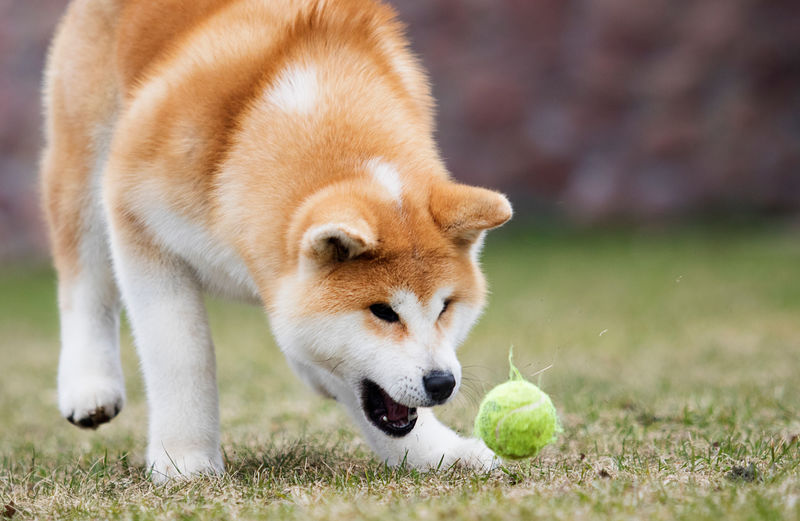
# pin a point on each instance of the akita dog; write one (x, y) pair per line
(275, 151)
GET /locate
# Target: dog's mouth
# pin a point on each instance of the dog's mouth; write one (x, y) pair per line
(386, 414)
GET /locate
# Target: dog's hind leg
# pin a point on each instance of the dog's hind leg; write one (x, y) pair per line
(80, 102)
(91, 388)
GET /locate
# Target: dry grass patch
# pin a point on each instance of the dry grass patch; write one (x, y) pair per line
(675, 362)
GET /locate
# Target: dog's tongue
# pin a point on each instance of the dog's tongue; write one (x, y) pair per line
(394, 411)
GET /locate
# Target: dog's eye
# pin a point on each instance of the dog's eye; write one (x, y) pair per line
(445, 306)
(384, 312)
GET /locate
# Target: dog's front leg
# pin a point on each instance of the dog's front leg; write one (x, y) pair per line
(165, 307)
(430, 444)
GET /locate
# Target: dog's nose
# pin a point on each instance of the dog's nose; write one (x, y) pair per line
(439, 385)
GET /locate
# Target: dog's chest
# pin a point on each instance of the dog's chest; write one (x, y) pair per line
(218, 267)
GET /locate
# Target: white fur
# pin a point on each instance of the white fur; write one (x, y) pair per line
(90, 376)
(386, 175)
(89, 371)
(295, 90)
(477, 247)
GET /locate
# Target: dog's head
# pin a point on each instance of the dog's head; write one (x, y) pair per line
(385, 287)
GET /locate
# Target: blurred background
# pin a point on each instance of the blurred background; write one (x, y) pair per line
(587, 112)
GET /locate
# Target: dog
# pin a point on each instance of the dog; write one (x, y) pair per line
(279, 152)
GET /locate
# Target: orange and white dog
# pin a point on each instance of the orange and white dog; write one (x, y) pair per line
(277, 151)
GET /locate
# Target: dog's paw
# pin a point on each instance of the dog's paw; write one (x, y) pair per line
(90, 402)
(165, 467)
(473, 453)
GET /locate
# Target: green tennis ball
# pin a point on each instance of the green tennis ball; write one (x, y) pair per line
(516, 419)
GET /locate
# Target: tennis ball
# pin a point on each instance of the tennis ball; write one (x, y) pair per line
(516, 419)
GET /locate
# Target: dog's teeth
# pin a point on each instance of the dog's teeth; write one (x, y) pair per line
(384, 418)
(412, 415)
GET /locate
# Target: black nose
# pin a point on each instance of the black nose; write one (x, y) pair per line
(439, 385)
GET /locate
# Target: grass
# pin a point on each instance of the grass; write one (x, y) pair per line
(675, 361)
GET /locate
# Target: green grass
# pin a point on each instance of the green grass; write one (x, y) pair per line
(675, 367)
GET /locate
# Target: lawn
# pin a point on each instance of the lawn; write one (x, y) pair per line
(674, 361)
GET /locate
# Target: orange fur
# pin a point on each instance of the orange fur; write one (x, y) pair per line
(77, 57)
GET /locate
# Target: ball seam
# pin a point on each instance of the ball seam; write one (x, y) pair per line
(530, 406)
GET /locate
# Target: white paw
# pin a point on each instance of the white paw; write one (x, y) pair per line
(473, 453)
(166, 466)
(90, 401)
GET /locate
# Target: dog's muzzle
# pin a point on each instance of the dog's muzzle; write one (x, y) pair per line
(393, 418)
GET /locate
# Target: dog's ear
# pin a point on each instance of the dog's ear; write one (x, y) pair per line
(332, 226)
(463, 212)
(337, 241)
